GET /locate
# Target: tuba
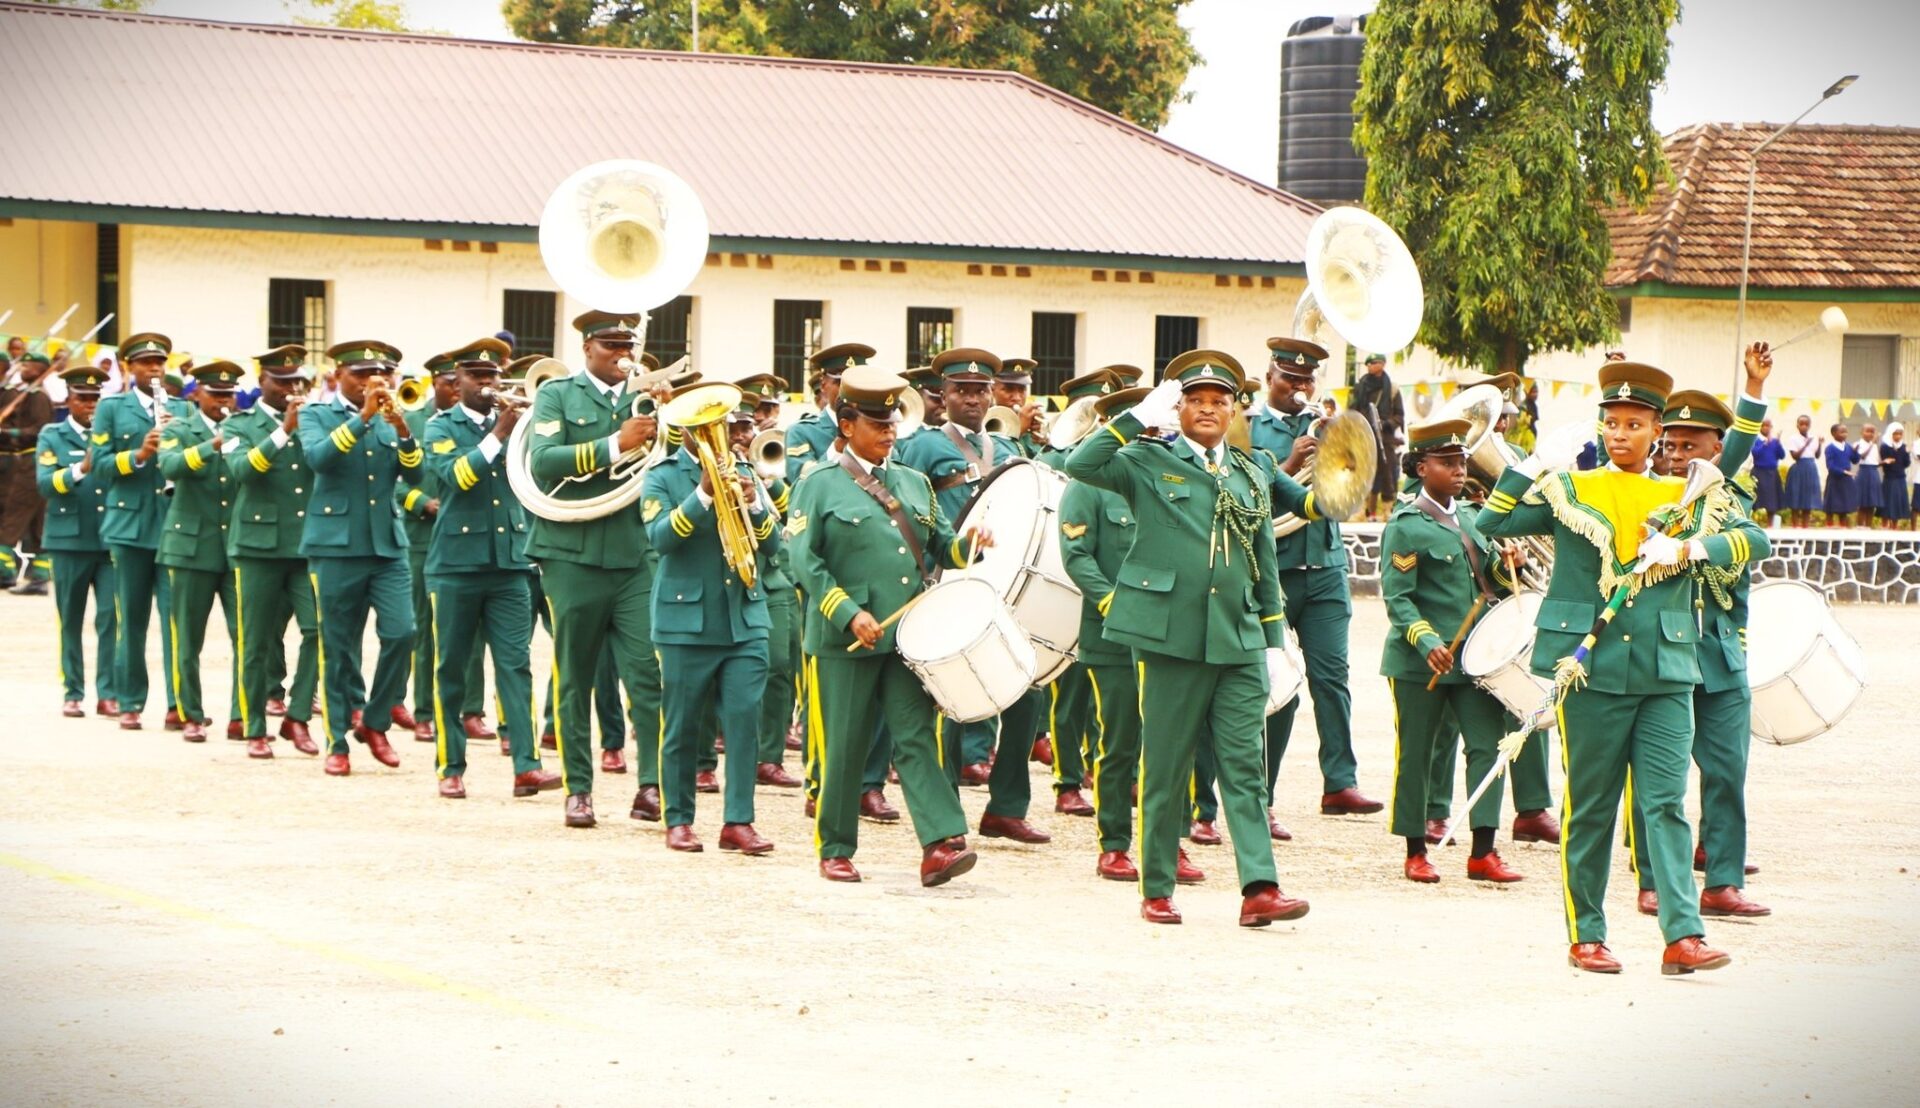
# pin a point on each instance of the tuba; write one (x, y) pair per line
(1488, 456)
(1066, 429)
(913, 414)
(622, 236)
(701, 414)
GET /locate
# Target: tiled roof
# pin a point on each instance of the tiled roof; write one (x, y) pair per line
(339, 125)
(1835, 207)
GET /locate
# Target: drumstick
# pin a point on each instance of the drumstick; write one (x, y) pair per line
(856, 644)
(1454, 646)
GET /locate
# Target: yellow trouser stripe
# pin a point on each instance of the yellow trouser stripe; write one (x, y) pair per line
(817, 738)
(1140, 840)
(1566, 822)
(240, 644)
(433, 682)
(320, 653)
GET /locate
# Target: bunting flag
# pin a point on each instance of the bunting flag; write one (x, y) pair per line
(1423, 388)
(1340, 396)
(1880, 408)
(1814, 404)
(1553, 387)
(1846, 409)
(1447, 389)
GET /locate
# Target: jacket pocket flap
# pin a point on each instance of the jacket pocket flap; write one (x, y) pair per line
(1120, 516)
(685, 591)
(1147, 578)
(185, 525)
(1678, 627)
(1564, 615)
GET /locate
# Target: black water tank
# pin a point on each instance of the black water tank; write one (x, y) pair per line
(1319, 75)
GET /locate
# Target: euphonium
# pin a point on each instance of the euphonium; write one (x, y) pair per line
(768, 454)
(1001, 420)
(1076, 422)
(701, 414)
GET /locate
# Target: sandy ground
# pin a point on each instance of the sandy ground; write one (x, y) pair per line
(181, 925)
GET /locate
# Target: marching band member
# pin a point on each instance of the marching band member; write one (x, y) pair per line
(443, 385)
(360, 446)
(271, 482)
(1198, 617)
(808, 436)
(126, 440)
(1629, 707)
(856, 529)
(1012, 388)
(1435, 571)
(927, 382)
(75, 504)
(27, 407)
(193, 544)
(479, 581)
(783, 605)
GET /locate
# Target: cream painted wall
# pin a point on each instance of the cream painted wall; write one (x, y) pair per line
(45, 267)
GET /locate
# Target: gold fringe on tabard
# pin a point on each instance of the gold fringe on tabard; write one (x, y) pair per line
(1710, 513)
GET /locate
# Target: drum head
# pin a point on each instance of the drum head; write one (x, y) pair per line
(1784, 618)
(950, 617)
(1016, 504)
(1503, 634)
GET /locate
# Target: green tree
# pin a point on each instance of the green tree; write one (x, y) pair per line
(1127, 56)
(1497, 133)
(104, 5)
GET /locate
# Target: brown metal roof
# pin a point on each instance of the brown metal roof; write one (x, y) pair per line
(373, 128)
(1834, 207)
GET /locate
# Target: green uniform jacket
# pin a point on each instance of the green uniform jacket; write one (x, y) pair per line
(1318, 543)
(697, 598)
(413, 502)
(776, 562)
(75, 507)
(1723, 640)
(202, 503)
(1181, 591)
(271, 486)
(848, 557)
(573, 422)
(135, 505)
(481, 526)
(353, 512)
(1096, 532)
(1652, 646)
(807, 440)
(931, 452)
(1428, 585)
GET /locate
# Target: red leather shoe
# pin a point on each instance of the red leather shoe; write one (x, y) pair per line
(613, 761)
(579, 810)
(1537, 826)
(1270, 905)
(1276, 832)
(1042, 751)
(1159, 909)
(795, 734)
(476, 726)
(1114, 865)
(276, 706)
(236, 731)
(295, 731)
(839, 869)
(720, 743)
(1690, 954)
(874, 806)
(259, 748)
(337, 766)
(174, 721)
(1007, 827)
(893, 775)
(535, 781)
(377, 745)
(130, 721)
(1700, 862)
(1592, 957)
(452, 788)
(506, 747)
(776, 776)
(72, 709)
(355, 721)
(1071, 802)
(549, 741)
(1729, 900)
(1204, 833)
(975, 774)
(681, 837)
(1420, 868)
(1185, 872)
(646, 804)
(946, 860)
(423, 731)
(106, 708)
(402, 718)
(741, 838)
(705, 782)
(193, 732)
(810, 807)
(1348, 802)
(1489, 867)
(1648, 902)
(1435, 829)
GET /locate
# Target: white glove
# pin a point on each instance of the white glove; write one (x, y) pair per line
(1659, 550)
(1560, 447)
(1529, 467)
(1161, 407)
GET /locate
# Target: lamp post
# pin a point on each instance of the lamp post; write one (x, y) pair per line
(1746, 238)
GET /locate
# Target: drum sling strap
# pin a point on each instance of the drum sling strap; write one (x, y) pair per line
(1466, 543)
(977, 466)
(872, 487)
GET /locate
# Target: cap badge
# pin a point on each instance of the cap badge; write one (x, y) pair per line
(1686, 412)
(1625, 390)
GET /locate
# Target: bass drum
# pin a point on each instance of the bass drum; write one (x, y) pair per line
(1497, 652)
(1020, 504)
(1806, 672)
(961, 641)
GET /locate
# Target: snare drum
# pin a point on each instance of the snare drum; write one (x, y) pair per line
(1286, 672)
(963, 644)
(1496, 655)
(1020, 504)
(1806, 672)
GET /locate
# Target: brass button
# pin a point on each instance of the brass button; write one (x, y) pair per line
(1626, 638)
(1563, 623)
(500, 529)
(903, 550)
(903, 580)
(301, 515)
(373, 502)
(496, 503)
(298, 491)
(1629, 603)
(463, 530)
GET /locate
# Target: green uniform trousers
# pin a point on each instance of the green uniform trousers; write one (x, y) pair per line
(192, 593)
(473, 698)
(972, 742)
(494, 607)
(1182, 701)
(1070, 723)
(74, 575)
(607, 705)
(1113, 700)
(346, 590)
(1603, 736)
(851, 695)
(695, 679)
(1722, 737)
(1319, 609)
(1009, 785)
(593, 609)
(1424, 720)
(272, 591)
(873, 775)
(1527, 777)
(783, 666)
(138, 587)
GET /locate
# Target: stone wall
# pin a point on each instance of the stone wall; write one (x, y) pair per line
(1873, 567)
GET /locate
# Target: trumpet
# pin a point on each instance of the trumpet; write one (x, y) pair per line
(412, 394)
(508, 398)
(1001, 420)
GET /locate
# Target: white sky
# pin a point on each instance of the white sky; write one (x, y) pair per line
(1744, 60)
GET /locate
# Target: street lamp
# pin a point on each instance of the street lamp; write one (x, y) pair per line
(1746, 239)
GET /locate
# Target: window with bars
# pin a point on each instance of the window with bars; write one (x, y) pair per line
(1173, 335)
(106, 288)
(797, 328)
(668, 329)
(532, 315)
(1055, 337)
(929, 332)
(297, 313)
